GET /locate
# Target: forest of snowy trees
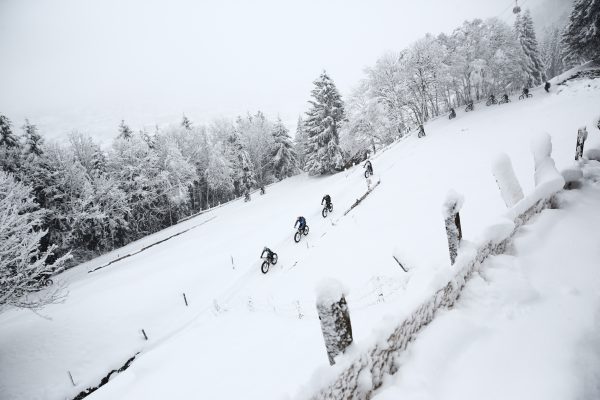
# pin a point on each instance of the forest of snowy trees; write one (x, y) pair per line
(80, 199)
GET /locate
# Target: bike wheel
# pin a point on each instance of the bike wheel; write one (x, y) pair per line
(324, 212)
(306, 230)
(264, 267)
(297, 237)
(274, 259)
(366, 173)
(331, 208)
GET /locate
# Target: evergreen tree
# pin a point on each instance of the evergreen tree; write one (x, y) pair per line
(582, 33)
(24, 269)
(7, 137)
(526, 35)
(242, 167)
(186, 123)
(125, 131)
(552, 53)
(282, 153)
(33, 140)
(322, 125)
(300, 144)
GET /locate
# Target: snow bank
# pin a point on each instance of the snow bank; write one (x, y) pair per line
(545, 169)
(593, 154)
(453, 203)
(329, 291)
(509, 186)
(380, 358)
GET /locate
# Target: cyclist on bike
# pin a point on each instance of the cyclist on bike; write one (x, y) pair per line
(492, 98)
(268, 251)
(505, 98)
(302, 223)
(452, 113)
(526, 92)
(547, 87)
(326, 200)
(369, 167)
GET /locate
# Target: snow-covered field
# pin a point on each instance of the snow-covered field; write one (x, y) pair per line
(527, 327)
(254, 336)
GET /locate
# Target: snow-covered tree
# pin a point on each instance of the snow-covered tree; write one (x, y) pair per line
(282, 154)
(241, 164)
(218, 173)
(33, 140)
(300, 141)
(125, 131)
(322, 124)
(552, 53)
(526, 35)
(186, 123)
(24, 269)
(582, 33)
(7, 136)
(368, 126)
(255, 135)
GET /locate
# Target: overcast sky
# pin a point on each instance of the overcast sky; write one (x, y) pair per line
(87, 64)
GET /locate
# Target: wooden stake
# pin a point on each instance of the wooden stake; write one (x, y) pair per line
(185, 299)
(71, 376)
(400, 264)
(145, 336)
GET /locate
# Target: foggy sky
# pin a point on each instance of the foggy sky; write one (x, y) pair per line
(87, 64)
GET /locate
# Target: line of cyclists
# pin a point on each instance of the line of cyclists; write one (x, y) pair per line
(270, 257)
(492, 100)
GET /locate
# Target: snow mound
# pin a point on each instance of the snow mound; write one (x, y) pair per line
(546, 173)
(329, 291)
(593, 154)
(453, 203)
(508, 183)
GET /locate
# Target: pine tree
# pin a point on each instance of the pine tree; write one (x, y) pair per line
(33, 140)
(24, 269)
(125, 131)
(186, 123)
(322, 126)
(582, 33)
(243, 171)
(7, 137)
(300, 144)
(282, 153)
(526, 35)
(551, 53)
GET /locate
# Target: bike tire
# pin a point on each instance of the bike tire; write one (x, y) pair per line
(367, 174)
(264, 267)
(297, 237)
(324, 212)
(306, 230)
(331, 208)
(275, 258)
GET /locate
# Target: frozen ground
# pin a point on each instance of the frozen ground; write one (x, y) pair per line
(527, 327)
(254, 336)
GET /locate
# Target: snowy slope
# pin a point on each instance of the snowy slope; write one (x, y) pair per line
(241, 336)
(527, 327)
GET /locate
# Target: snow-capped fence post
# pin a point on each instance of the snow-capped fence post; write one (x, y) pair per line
(451, 210)
(509, 186)
(581, 138)
(335, 318)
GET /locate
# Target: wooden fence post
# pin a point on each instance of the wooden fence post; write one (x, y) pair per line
(452, 220)
(335, 319)
(581, 138)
